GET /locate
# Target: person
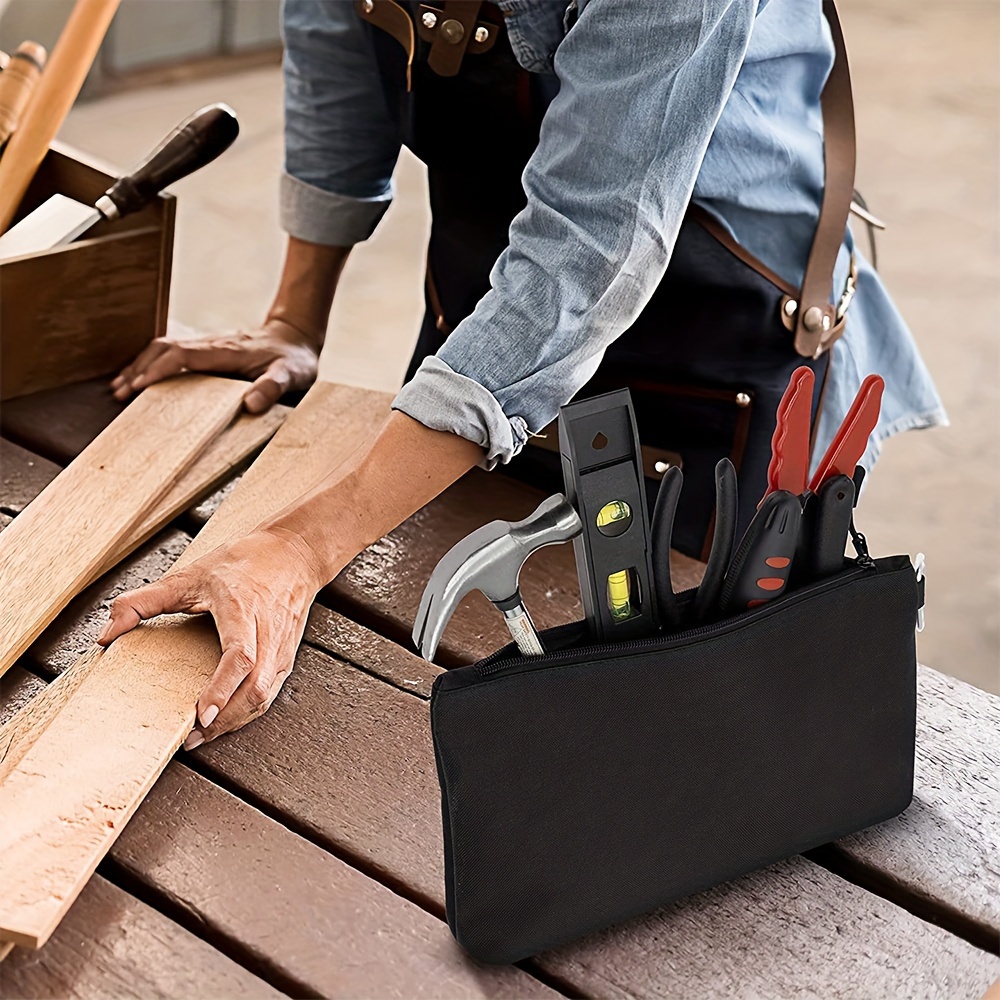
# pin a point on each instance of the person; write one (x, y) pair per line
(619, 190)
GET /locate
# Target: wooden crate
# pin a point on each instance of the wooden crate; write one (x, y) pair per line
(84, 309)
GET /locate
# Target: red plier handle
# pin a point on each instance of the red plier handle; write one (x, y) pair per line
(789, 467)
(851, 440)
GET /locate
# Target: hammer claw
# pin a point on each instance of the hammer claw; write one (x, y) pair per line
(490, 560)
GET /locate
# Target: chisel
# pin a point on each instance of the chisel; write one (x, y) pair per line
(17, 84)
(65, 71)
(195, 142)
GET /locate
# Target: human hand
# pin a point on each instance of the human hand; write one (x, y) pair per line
(277, 356)
(259, 591)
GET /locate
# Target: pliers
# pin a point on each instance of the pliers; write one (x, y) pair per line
(801, 523)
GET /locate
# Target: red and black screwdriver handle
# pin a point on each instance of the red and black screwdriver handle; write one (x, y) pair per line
(761, 568)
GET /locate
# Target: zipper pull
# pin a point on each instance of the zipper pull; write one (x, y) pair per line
(860, 544)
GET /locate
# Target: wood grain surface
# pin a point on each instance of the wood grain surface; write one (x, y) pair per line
(218, 462)
(347, 640)
(322, 927)
(70, 795)
(112, 945)
(369, 749)
(81, 310)
(946, 847)
(791, 930)
(58, 543)
(24, 474)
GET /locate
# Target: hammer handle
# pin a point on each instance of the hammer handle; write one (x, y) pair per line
(17, 82)
(67, 68)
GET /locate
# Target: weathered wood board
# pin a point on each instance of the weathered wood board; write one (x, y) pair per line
(791, 930)
(55, 546)
(945, 848)
(23, 475)
(322, 925)
(112, 945)
(69, 794)
(219, 460)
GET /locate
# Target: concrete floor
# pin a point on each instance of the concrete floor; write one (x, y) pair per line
(927, 81)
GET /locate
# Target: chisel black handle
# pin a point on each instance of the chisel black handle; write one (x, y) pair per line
(195, 142)
(829, 523)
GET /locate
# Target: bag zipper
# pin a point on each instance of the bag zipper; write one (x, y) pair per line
(499, 661)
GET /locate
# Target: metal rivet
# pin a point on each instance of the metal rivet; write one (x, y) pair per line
(369, 6)
(790, 306)
(452, 31)
(661, 467)
(428, 19)
(826, 322)
(813, 319)
(742, 399)
(482, 34)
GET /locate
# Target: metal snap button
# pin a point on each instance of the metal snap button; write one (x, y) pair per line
(452, 31)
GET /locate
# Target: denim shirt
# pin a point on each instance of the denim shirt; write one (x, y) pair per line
(659, 102)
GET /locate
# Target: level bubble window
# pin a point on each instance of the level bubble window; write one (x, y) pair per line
(614, 518)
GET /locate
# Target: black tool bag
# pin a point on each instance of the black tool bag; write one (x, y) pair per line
(596, 783)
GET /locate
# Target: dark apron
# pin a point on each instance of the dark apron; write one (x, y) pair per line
(708, 358)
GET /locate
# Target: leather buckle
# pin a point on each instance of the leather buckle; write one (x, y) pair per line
(452, 30)
(827, 321)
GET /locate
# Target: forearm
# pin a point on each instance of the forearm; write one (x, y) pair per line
(308, 282)
(391, 477)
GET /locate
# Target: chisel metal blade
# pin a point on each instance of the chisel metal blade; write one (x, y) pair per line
(58, 221)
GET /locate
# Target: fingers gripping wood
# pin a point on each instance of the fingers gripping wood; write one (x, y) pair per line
(66, 535)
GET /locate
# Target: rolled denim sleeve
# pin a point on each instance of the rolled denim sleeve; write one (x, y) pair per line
(642, 86)
(341, 143)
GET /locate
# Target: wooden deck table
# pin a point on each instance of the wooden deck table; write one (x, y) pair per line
(302, 855)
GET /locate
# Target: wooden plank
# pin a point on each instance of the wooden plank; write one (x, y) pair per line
(112, 945)
(382, 586)
(370, 652)
(69, 794)
(70, 636)
(943, 849)
(24, 474)
(217, 463)
(80, 519)
(72, 632)
(324, 927)
(791, 930)
(368, 746)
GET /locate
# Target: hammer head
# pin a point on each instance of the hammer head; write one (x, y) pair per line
(490, 560)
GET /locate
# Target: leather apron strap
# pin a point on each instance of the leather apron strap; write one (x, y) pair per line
(818, 322)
